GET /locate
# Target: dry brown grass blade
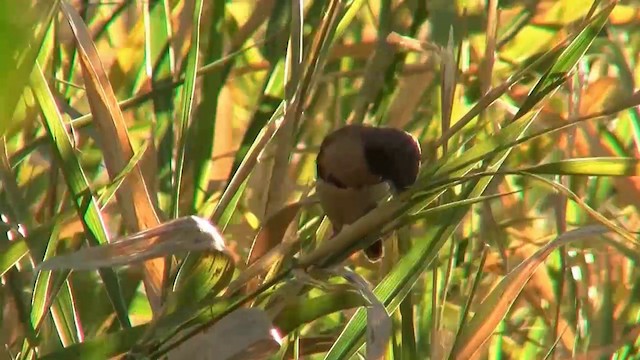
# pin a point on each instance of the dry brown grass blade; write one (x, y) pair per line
(247, 166)
(378, 321)
(598, 94)
(490, 51)
(223, 136)
(496, 305)
(133, 197)
(277, 167)
(484, 102)
(251, 276)
(411, 87)
(277, 189)
(274, 240)
(292, 110)
(185, 234)
(449, 81)
(301, 73)
(373, 79)
(539, 289)
(410, 95)
(273, 231)
(590, 134)
(256, 19)
(378, 65)
(609, 350)
(410, 44)
(525, 242)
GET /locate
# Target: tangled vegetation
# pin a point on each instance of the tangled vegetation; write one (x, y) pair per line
(157, 190)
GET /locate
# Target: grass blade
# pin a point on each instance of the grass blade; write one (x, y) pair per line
(27, 33)
(567, 60)
(78, 186)
(393, 287)
(600, 166)
(133, 196)
(200, 146)
(499, 301)
(11, 253)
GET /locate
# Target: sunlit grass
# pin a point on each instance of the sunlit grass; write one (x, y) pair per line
(120, 120)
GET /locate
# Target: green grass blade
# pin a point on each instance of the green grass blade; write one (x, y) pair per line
(202, 276)
(109, 191)
(597, 166)
(200, 148)
(78, 186)
(11, 253)
(101, 347)
(467, 306)
(408, 325)
(41, 294)
(303, 310)
(555, 76)
(499, 301)
(188, 91)
(160, 59)
(458, 166)
(27, 33)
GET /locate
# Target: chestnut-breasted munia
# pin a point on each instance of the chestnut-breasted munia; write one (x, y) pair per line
(358, 166)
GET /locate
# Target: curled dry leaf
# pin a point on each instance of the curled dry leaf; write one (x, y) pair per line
(378, 321)
(243, 334)
(189, 233)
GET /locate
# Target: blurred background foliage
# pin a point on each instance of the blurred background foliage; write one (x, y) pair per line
(119, 116)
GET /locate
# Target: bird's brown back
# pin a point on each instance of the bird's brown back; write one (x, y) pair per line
(342, 161)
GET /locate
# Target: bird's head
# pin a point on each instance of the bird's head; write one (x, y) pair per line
(357, 156)
(392, 154)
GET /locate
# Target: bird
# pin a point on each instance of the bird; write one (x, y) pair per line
(358, 166)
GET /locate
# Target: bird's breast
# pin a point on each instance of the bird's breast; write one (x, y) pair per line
(346, 205)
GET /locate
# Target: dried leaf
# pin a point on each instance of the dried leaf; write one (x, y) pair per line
(598, 94)
(133, 196)
(189, 233)
(378, 321)
(449, 81)
(243, 334)
(273, 231)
